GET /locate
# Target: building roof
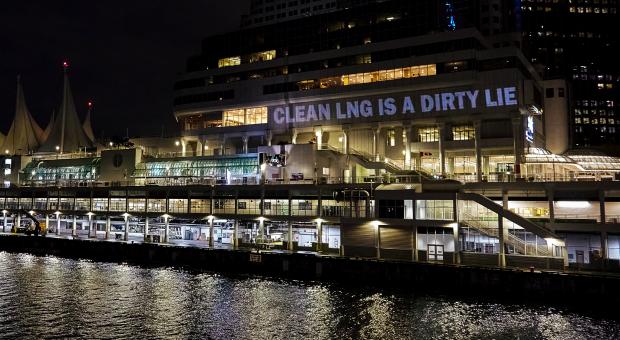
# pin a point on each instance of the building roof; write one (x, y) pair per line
(67, 132)
(25, 135)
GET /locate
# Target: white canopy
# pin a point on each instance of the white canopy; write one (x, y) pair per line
(25, 135)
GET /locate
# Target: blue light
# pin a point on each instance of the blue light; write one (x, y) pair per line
(450, 16)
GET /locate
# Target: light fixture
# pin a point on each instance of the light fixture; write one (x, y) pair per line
(111, 144)
(31, 212)
(57, 147)
(177, 143)
(573, 204)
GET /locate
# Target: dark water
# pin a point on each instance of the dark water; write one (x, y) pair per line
(49, 297)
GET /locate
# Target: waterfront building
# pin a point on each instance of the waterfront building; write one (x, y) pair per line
(393, 134)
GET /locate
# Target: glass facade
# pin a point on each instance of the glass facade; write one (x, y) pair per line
(370, 77)
(249, 116)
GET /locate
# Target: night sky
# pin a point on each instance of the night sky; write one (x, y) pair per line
(124, 55)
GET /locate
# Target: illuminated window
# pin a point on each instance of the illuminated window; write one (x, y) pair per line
(370, 77)
(255, 115)
(262, 56)
(464, 132)
(307, 85)
(231, 61)
(430, 134)
(234, 117)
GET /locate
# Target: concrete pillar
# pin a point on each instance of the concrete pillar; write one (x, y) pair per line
(346, 139)
(47, 221)
(377, 240)
(318, 132)
(294, 137)
(604, 254)
(478, 151)
(551, 206)
(457, 248)
(601, 199)
(211, 233)
(505, 199)
(245, 144)
(414, 243)
(126, 234)
(18, 223)
(223, 146)
(91, 232)
(319, 235)
(502, 250)
(376, 134)
(517, 128)
(407, 141)
(74, 226)
(108, 226)
(235, 240)
(290, 235)
(146, 229)
(4, 221)
(166, 228)
(57, 224)
(269, 137)
(261, 229)
(442, 149)
(183, 148)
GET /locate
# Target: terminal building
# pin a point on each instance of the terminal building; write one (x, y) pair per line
(392, 134)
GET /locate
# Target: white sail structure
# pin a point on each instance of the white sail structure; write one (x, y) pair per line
(48, 129)
(67, 133)
(88, 126)
(1, 138)
(25, 135)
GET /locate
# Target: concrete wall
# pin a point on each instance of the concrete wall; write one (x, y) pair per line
(118, 165)
(556, 117)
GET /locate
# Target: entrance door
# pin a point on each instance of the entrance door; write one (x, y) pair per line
(435, 252)
(580, 257)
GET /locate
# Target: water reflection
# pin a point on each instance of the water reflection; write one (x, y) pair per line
(49, 297)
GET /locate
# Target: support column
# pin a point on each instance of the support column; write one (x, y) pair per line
(47, 221)
(290, 235)
(261, 229)
(126, 235)
(74, 226)
(407, 140)
(294, 136)
(601, 199)
(376, 134)
(457, 247)
(19, 222)
(166, 228)
(211, 233)
(57, 224)
(346, 139)
(319, 234)
(604, 254)
(318, 132)
(442, 149)
(269, 137)
(223, 147)
(90, 226)
(245, 144)
(505, 199)
(235, 241)
(377, 240)
(478, 151)
(108, 226)
(518, 149)
(183, 148)
(502, 247)
(146, 229)
(551, 206)
(414, 241)
(4, 221)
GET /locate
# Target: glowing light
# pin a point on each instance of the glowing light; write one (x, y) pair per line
(57, 147)
(111, 144)
(6, 151)
(90, 104)
(573, 204)
(31, 212)
(65, 64)
(177, 143)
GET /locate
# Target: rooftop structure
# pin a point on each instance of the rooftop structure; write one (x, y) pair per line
(25, 136)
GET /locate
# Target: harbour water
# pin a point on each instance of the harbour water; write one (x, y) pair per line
(51, 297)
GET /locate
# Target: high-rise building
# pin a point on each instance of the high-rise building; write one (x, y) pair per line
(575, 40)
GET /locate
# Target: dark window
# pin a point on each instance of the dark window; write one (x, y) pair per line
(392, 208)
(549, 92)
(561, 92)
